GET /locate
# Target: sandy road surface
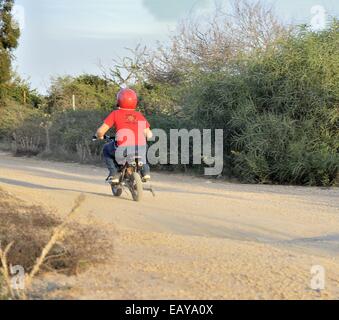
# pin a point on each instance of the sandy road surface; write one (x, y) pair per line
(197, 239)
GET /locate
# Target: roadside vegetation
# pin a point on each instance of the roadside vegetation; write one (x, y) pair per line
(272, 88)
(39, 241)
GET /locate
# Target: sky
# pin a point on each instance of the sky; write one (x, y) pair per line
(71, 37)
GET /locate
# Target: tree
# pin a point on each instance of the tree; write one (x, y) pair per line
(212, 43)
(9, 36)
(90, 92)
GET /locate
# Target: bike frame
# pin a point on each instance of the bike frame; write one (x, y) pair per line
(128, 169)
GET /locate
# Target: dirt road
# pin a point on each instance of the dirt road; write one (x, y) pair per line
(197, 239)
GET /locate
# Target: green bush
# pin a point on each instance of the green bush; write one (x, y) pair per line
(279, 110)
(71, 133)
(13, 116)
(29, 138)
(91, 92)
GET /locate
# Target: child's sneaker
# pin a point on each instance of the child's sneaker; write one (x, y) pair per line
(113, 179)
(146, 178)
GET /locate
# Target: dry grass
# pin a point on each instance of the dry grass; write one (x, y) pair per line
(5, 276)
(40, 241)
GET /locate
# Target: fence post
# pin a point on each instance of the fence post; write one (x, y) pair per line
(73, 102)
(25, 97)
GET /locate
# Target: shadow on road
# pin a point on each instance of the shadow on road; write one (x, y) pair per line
(329, 242)
(39, 186)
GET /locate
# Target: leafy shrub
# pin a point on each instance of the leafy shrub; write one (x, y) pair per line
(279, 111)
(11, 117)
(30, 136)
(91, 92)
(72, 132)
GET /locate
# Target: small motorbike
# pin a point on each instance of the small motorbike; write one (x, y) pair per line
(130, 175)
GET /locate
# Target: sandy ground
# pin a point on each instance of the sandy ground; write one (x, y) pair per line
(197, 239)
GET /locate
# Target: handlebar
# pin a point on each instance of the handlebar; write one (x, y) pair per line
(107, 138)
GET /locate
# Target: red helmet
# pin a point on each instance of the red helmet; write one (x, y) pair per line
(127, 99)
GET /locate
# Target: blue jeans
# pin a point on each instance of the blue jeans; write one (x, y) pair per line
(115, 156)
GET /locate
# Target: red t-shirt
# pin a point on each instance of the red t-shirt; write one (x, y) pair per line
(130, 126)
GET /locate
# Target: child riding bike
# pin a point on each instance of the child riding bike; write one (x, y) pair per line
(132, 130)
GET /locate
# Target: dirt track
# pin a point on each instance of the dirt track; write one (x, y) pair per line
(197, 239)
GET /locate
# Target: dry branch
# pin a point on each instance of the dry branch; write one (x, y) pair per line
(4, 269)
(58, 234)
